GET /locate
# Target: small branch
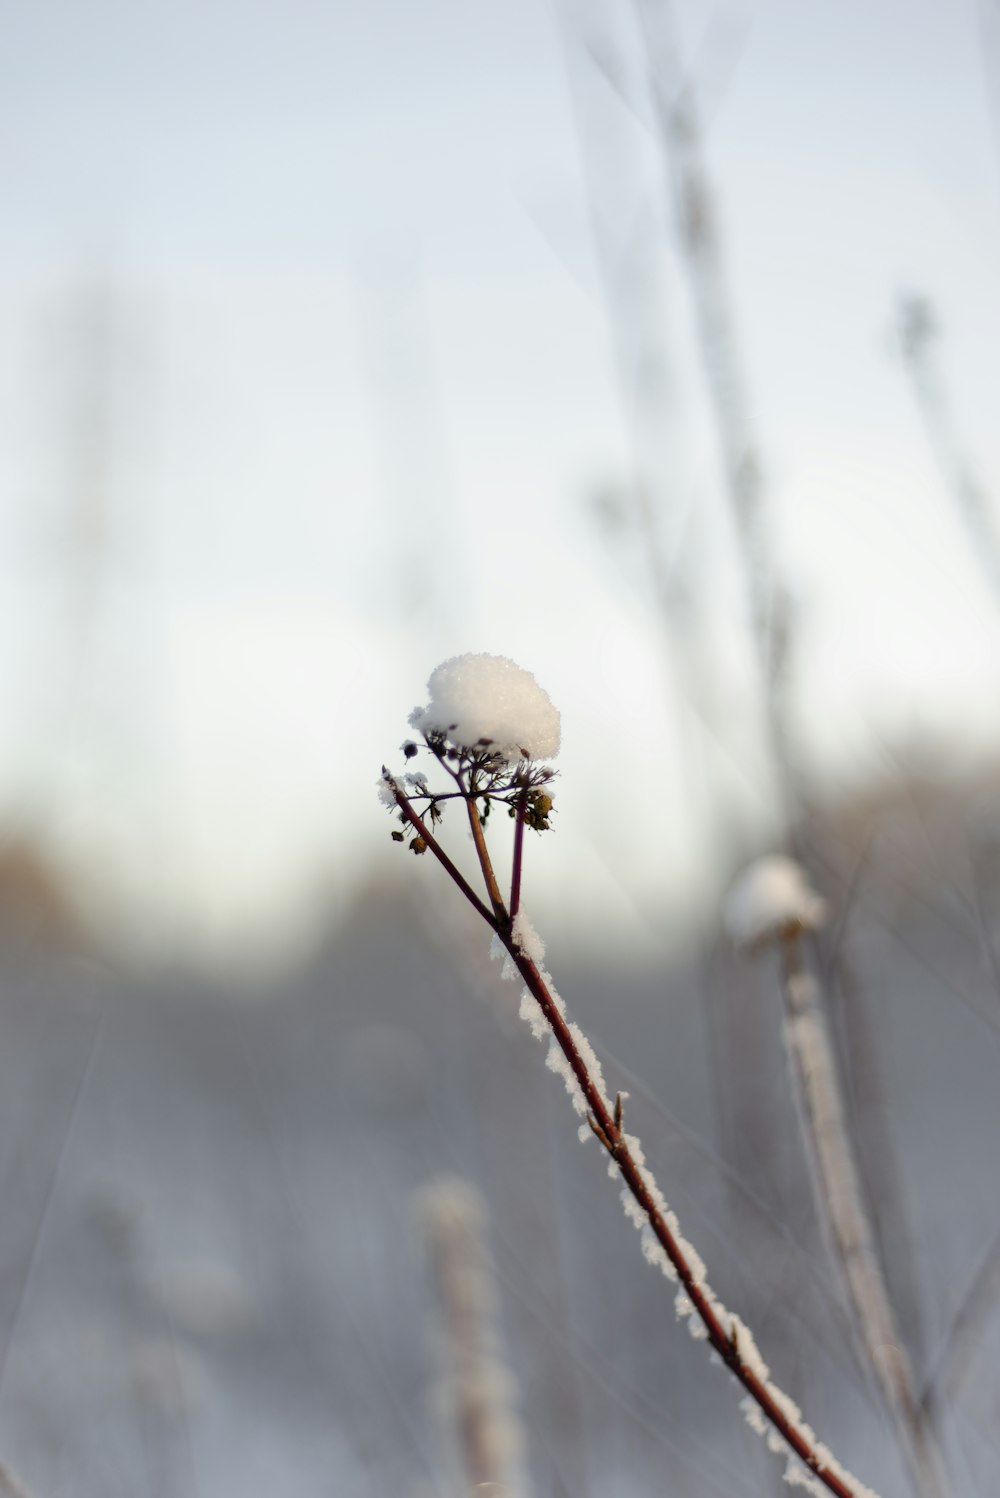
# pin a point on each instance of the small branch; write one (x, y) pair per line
(485, 862)
(418, 824)
(515, 878)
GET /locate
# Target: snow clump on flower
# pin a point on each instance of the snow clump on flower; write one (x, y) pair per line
(771, 899)
(477, 698)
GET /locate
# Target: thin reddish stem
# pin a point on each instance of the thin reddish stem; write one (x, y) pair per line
(485, 862)
(724, 1344)
(515, 877)
(416, 821)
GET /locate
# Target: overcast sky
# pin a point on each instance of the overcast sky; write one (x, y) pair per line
(324, 276)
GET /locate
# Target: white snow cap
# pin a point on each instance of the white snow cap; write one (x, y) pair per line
(475, 697)
(772, 898)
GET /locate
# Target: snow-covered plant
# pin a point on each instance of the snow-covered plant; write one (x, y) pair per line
(486, 728)
(772, 899)
(772, 903)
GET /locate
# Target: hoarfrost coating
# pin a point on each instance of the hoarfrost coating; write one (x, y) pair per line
(770, 898)
(477, 697)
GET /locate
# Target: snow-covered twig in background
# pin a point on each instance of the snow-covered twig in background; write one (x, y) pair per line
(772, 903)
(486, 724)
(478, 1390)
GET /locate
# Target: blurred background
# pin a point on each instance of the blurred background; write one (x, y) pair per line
(655, 347)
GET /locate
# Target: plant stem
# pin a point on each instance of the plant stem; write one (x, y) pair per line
(722, 1338)
(417, 822)
(485, 863)
(618, 1148)
(515, 877)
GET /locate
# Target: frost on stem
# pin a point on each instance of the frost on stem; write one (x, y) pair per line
(524, 936)
(386, 788)
(771, 899)
(477, 699)
(486, 725)
(527, 940)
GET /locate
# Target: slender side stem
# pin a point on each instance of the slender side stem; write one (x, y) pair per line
(515, 877)
(841, 1201)
(726, 1345)
(485, 862)
(417, 822)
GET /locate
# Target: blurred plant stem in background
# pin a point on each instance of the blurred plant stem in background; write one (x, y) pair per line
(476, 1396)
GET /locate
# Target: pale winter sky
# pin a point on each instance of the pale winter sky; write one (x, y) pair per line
(304, 301)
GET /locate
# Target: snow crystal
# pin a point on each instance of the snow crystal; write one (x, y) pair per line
(748, 1350)
(528, 939)
(476, 697)
(556, 1061)
(386, 792)
(771, 898)
(797, 1475)
(531, 1012)
(589, 1058)
(754, 1415)
(654, 1253)
(633, 1211)
(499, 953)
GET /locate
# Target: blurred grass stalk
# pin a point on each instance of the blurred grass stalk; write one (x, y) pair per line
(477, 1390)
(844, 1211)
